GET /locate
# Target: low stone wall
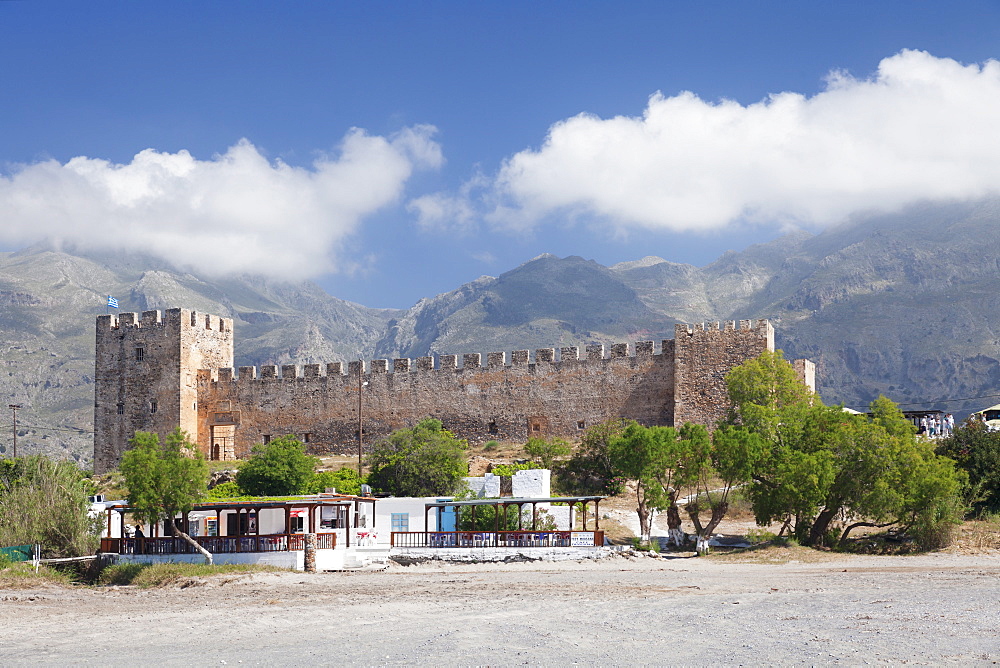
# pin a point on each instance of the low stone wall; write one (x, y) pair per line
(292, 560)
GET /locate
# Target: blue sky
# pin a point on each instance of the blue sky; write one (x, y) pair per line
(393, 151)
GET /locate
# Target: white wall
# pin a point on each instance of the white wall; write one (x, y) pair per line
(530, 484)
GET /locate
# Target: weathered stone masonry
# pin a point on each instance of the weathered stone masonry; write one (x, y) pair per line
(186, 368)
(146, 374)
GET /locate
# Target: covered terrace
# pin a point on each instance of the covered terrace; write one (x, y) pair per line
(251, 526)
(527, 534)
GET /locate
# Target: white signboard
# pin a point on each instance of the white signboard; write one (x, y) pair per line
(582, 539)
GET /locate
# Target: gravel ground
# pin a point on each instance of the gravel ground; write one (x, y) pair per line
(802, 607)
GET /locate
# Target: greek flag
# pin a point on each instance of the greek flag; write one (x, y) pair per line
(112, 302)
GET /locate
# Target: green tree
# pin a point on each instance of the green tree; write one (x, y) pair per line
(735, 454)
(976, 450)
(278, 468)
(642, 455)
(546, 451)
(821, 463)
(226, 490)
(687, 456)
(767, 398)
(165, 480)
(426, 460)
(44, 502)
(344, 480)
(589, 470)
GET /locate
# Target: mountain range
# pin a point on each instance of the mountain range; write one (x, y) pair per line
(897, 304)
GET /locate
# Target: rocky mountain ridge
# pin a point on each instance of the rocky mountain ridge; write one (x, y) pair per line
(897, 304)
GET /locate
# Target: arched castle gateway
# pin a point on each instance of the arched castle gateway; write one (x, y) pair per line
(156, 372)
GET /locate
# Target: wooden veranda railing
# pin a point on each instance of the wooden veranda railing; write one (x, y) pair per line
(216, 544)
(497, 538)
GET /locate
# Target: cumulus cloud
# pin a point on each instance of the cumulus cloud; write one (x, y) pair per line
(445, 212)
(237, 212)
(919, 128)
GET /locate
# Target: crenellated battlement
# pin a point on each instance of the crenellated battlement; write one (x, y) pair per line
(175, 318)
(682, 329)
(594, 353)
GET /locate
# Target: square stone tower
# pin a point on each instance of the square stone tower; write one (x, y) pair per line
(146, 375)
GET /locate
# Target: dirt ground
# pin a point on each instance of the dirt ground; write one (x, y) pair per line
(788, 606)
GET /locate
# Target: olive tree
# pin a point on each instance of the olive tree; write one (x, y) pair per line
(165, 480)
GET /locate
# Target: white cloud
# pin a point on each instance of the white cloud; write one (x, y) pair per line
(237, 212)
(485, 257)
(444, 212)
(920, 128)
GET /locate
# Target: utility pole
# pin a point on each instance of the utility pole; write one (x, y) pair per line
(14, 408)
(361, 366)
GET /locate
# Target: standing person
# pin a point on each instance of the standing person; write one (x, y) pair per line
(140, 544)
(951, 423)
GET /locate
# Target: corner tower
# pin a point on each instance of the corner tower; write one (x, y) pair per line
(146, 375)
(703, 355)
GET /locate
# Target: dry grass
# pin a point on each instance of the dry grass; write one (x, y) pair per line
(184, 575)
(771, 553)
(615, 531)
(22, 575)
(978, 535)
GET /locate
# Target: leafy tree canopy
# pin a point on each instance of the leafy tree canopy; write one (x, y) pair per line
(545, 451)
(589, 470)
(278, 468)
(976, 450)
(821, 463)
(661, 463)
(426, 460)
(165, 480)
(345, 481)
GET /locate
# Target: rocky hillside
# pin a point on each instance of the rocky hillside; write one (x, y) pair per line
(49, 299)
(901, 305)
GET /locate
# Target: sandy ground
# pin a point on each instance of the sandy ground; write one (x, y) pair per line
(821, 609)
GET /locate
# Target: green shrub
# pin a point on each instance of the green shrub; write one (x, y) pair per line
(226, 490)
(22, 574)
(278, 468)
(120, 574)
(643, 546)
(510, 469)
(426, 460)
(44, 501)
(547, 451)
(344, 480)
(759, 535)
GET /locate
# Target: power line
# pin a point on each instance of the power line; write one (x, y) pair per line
(77, 430)
(939, 401)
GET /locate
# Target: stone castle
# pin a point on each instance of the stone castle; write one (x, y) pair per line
(156, 371)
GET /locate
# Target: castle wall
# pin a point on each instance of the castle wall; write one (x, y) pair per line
(185, 372)
(142, 391)
(503, 400)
